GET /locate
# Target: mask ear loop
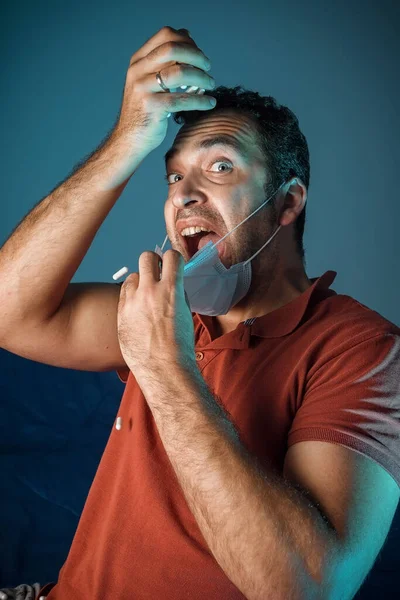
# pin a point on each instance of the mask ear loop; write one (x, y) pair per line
(288, 185)
(164, 242)
(262, 247)
(250, 215)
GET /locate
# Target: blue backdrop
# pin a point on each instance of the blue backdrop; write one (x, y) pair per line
(63, 68)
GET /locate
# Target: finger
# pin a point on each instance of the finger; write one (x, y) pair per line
(131, 282)
(5, 593)
(172, 52)
(168, 55)
(149, 267)
(172, 273)
(164, 34)
(175, 76)
(175, 102)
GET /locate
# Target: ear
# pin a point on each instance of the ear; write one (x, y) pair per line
(294, 198)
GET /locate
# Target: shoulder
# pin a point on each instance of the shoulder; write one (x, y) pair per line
(346, 318)
(341, 327)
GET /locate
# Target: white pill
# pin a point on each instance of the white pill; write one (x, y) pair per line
(189, 89)
(195, 90)
(120, 273)
(119, 423)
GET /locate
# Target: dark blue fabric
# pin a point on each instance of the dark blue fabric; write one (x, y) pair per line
(55, 424)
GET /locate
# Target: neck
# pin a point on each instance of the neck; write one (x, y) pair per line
(264, 296)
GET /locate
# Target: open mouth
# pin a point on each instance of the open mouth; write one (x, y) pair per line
(194, 243)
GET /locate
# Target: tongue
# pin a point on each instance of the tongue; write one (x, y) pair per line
(210, 237)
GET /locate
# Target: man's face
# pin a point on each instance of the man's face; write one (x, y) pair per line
(222, 185)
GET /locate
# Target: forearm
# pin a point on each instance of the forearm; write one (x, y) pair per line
(269, 540)
(41, 256)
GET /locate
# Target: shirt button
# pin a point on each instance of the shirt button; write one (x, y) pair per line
(199, 356)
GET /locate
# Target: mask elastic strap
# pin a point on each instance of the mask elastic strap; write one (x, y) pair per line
(250, 215)
(164, 242)
(262, 247)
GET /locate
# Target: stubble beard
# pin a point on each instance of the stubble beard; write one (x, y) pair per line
(264, 267)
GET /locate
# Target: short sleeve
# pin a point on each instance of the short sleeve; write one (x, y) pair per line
(123, 374)
(353, 399)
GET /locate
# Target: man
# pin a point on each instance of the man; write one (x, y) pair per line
(256, 448)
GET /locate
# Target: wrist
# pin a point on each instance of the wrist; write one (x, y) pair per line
(117, 162)
(167, 374)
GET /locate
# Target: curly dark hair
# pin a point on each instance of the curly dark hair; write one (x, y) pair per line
(280, 140)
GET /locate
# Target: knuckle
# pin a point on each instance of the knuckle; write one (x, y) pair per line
(147, 255)
(173, 253)
(169, 48)
(167, 30)
(161, 52)
(149, 103)
(131, 73)
(137, 86)
(186, 98)
(181, 70)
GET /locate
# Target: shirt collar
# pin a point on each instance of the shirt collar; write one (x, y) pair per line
(277, 323)
(285, 319)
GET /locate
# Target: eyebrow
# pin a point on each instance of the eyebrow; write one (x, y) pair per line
(219, 140)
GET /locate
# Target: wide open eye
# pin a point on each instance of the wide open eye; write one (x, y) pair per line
(223, 162)
(167, 177)
(170, 176)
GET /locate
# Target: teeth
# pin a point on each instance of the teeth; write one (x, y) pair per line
(193, 230)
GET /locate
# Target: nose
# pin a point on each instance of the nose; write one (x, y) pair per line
(183, 201)
(187, 192)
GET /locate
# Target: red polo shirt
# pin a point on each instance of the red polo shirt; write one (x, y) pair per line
(323, 367)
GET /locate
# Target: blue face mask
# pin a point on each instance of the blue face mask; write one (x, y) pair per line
(210, 287)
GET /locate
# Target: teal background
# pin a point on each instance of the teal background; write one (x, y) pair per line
(63, 68)
(333, 63)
